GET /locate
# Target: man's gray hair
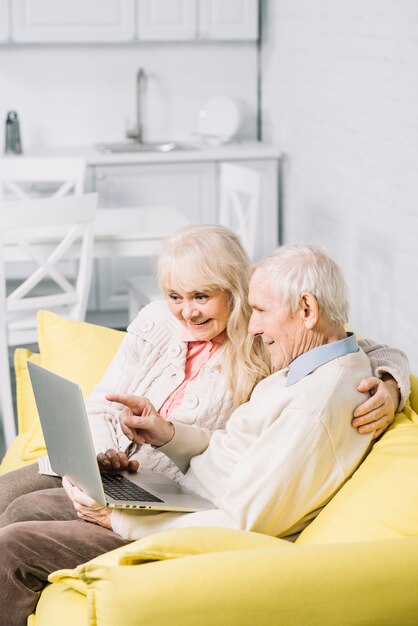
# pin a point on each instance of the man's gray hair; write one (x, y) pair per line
(294, 269)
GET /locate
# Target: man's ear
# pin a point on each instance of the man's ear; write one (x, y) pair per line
(309, 310)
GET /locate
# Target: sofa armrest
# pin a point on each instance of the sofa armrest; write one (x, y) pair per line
(346, 584)
(167, 545)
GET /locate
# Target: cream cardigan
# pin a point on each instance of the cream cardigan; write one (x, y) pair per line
(151, 362)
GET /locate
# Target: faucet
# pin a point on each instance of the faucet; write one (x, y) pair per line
(141, 83)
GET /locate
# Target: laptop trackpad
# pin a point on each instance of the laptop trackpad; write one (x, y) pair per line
(153, 481)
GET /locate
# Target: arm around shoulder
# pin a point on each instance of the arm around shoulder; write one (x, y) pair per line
(385, 360)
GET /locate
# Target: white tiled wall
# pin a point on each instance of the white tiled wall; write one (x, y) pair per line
(340, 96)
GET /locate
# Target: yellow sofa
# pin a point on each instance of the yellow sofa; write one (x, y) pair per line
(356, 564)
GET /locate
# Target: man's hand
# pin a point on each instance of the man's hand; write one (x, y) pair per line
(376, 413)
(140, 421)
(114, 461)
(87, 508)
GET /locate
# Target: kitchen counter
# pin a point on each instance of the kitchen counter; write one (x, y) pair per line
(231, 151)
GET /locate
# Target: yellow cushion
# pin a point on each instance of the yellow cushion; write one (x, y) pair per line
(27, 412)
(183, 542)
(76, 350)
(29, 444)
(380, 501)
(303, 585)
(16, 456)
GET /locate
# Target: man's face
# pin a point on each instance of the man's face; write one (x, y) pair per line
(281, 331)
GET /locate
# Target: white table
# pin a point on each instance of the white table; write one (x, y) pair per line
(124, 232)
(134, 232)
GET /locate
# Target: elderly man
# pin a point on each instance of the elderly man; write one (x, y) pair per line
(287, 451)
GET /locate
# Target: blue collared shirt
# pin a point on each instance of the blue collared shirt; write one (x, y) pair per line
(309, 361)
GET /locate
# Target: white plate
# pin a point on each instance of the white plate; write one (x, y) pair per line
(219, 119)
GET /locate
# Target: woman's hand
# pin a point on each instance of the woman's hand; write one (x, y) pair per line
(87, 508)
(140, 421)
(376, 413)
(114, 461)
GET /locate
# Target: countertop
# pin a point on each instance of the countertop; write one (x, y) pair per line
(232, 151)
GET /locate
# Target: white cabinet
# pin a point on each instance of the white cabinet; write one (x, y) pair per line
(58, 21)
(188, 187)
(162, 20)
(228, 19)
(165, 20)
(4, 20)
(107, 21)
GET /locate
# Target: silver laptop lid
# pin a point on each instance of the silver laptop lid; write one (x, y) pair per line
(69, 442)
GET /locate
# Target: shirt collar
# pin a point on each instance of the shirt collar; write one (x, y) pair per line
(309, 361)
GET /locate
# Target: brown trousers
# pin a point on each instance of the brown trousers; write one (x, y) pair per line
(40, 533)
(23, 481)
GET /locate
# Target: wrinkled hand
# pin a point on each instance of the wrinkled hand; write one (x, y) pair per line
(87, 508)
(140, 421)
(114, 461)
(378, 412)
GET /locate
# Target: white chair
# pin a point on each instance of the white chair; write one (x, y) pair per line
(24, 177)
(33, 177)
(44, 231)
(239, 210)
(240, 203)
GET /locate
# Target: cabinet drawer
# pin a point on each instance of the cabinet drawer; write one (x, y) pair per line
(49, 21)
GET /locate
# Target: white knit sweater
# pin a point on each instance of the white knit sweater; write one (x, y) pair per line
(151, 362)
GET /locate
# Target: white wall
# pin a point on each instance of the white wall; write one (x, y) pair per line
(78, 95)
(340, 96)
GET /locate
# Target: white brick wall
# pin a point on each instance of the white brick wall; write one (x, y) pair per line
(340, 97)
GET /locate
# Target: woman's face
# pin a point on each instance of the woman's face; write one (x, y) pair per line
(204, 313)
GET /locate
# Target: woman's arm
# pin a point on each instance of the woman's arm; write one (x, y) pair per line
(104, 415)
(389, 388)
(86, 508)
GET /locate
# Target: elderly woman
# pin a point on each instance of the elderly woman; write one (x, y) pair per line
(189, 353)
(191, 357)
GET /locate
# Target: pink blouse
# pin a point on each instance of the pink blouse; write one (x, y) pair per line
(198, 354)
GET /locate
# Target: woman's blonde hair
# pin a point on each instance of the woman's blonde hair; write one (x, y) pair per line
(206, 257)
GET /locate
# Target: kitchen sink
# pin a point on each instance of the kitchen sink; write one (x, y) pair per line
(135, 146)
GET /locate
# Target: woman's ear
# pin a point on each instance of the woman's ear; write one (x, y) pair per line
(309, 310)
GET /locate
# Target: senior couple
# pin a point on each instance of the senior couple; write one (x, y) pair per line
(242, 387)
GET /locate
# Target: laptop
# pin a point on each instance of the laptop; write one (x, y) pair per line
(71, 453)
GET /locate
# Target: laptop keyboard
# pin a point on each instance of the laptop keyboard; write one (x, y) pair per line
(120, 488)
